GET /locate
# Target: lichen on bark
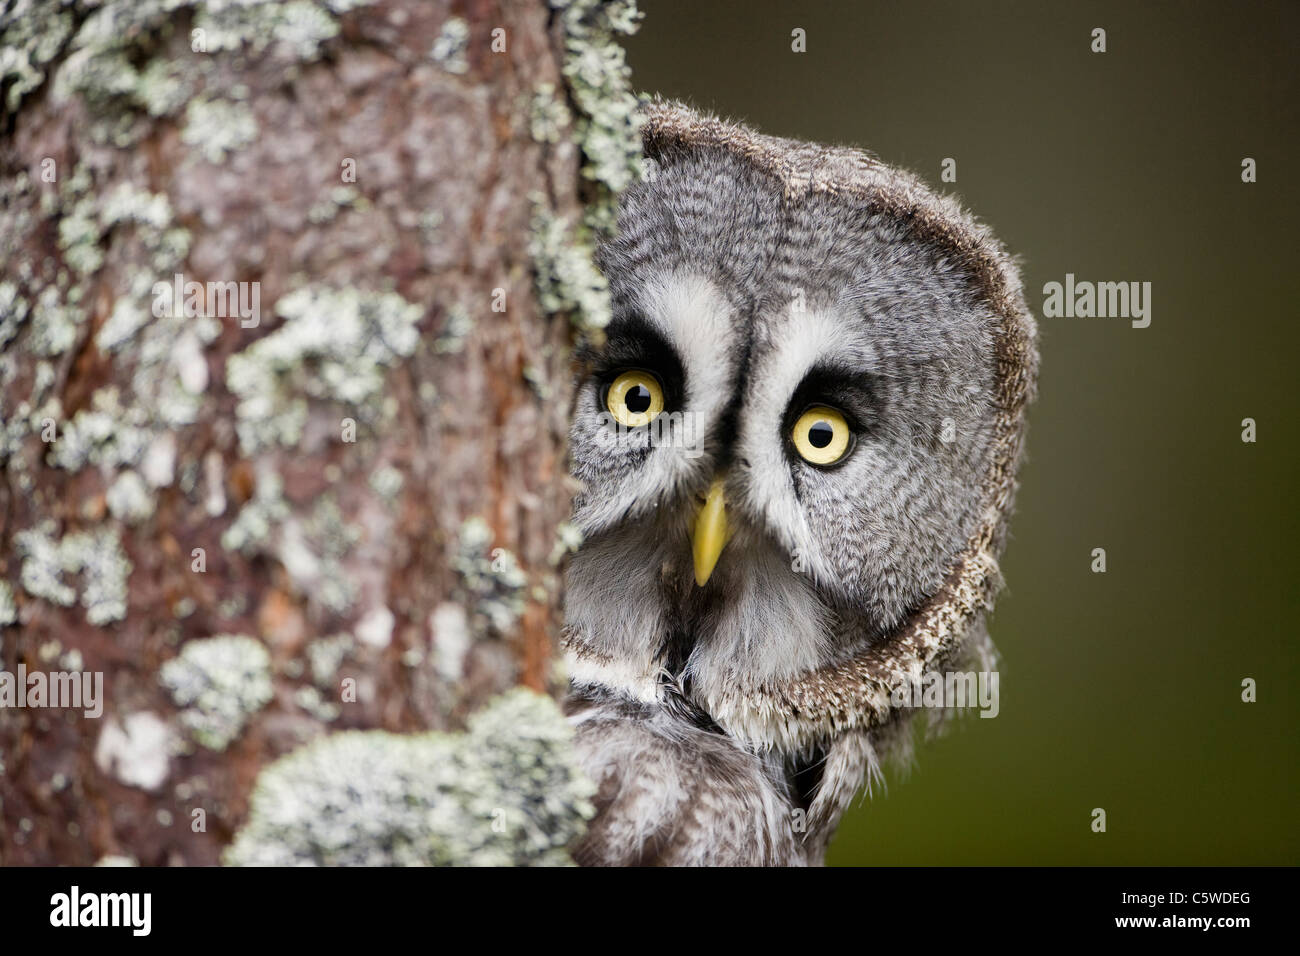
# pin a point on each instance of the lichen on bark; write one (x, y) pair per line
(507, 792)
(606, 124)
(360, 497)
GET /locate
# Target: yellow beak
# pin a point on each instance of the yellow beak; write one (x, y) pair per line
(710, 534)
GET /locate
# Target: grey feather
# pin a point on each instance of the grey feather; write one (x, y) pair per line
(732, 723)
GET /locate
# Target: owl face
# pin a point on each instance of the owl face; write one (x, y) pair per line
(783, 442)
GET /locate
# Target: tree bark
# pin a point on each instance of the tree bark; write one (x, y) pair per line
(343, 511)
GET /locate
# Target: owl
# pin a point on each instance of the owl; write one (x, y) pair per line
(797, 450)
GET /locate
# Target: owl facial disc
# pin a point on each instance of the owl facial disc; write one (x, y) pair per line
(854, 355)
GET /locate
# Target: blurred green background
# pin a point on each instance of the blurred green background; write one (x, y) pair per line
(1119, 690)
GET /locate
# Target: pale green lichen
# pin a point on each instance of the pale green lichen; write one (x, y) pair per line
(459, 325)
(12, 434)
(104, 567)
(335, 345)
(13, 311)
(79, 235)
(162, 88)
(129, 498)
(217, 128)
(312, 552)
(325, 656)
(310, 700)
(387, 482)
(98, 45)
(506, 792)
(100, 67)
(449, 626)
(127, 204)
(376, 627)
(96, 555)
(87, 218)
(599, 80)
(164, 382)
(233, 606)
(568, 539)
(119, 94)
(607, 123)
(343, 6)
(252, 528)
(54, 324)
(171, 373)
(339, 198)
(302, 27)
(566, 275)
(8, 608)
(107, 434)
(549, 118)
(492, 578)
(43, 565)
(220, 682)
(430, 226)
(536, 377)
(42, 381)
(34, 32)
(448, 49)
(126, 319)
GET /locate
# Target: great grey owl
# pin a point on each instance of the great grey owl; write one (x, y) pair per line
(797, 449)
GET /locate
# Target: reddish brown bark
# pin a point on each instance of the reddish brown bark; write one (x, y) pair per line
(432, 146)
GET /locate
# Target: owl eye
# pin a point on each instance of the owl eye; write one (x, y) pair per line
(634, 398)
(821, 435)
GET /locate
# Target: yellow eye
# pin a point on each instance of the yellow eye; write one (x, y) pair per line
(634, 398)
(821, 435)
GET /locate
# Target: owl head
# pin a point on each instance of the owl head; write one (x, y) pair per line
(797, 446)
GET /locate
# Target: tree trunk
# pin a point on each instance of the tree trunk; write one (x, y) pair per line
(324, 486)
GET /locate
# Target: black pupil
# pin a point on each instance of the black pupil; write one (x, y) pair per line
(820, 434)
(637, 399)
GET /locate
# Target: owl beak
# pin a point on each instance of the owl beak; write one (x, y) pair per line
(710, 534)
